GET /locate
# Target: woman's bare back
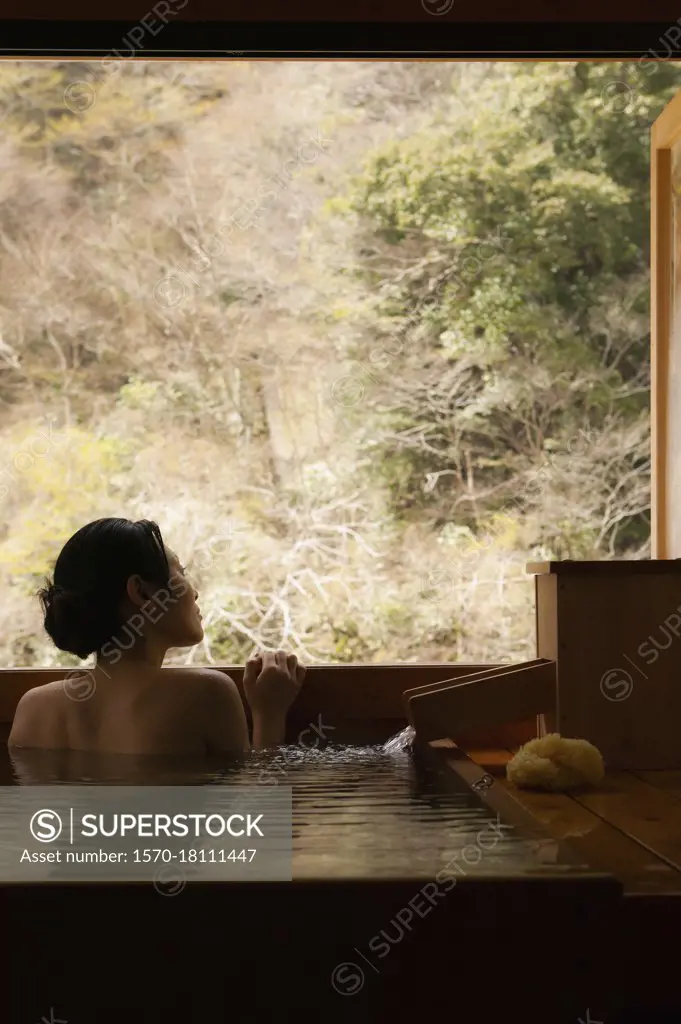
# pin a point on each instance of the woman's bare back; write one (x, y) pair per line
(171, 713)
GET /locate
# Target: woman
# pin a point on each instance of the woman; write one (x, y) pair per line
(119, 593)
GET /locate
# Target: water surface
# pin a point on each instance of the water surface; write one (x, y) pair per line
(358, 812)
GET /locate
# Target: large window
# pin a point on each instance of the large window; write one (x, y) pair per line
(364, 338)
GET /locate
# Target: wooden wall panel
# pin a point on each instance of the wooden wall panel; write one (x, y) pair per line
(363, 703)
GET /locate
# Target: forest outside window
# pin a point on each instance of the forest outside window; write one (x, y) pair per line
(364, 338)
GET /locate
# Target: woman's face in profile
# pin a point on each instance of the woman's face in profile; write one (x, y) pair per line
(181, 621)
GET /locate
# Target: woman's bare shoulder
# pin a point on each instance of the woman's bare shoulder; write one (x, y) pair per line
(208, 688)
(30, 718)
(46, 691)
(221, 715)
(208, 679)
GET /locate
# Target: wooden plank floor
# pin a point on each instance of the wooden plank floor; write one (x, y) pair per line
(630, 826)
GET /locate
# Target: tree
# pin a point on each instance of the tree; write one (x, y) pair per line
(507, 247)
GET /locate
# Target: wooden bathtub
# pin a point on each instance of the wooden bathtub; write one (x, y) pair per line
(590, 940)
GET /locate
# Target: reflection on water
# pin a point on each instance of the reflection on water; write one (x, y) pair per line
(379, 811)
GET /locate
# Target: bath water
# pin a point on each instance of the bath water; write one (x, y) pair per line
(358, 812)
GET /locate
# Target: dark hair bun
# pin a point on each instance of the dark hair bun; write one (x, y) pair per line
(83, 603)
(71, 621)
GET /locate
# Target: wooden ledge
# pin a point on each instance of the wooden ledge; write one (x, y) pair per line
(628, 826)
(623, 567)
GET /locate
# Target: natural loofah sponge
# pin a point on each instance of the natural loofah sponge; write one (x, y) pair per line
(556, 763)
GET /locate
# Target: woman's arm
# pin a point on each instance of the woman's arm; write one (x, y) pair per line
(269, 730)
(272, 681)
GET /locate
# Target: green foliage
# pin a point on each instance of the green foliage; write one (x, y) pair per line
(85, 117)
(48, 481)
(139, 394)
(520, 231)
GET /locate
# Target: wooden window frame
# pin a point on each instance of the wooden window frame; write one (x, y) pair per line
(666, 132)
